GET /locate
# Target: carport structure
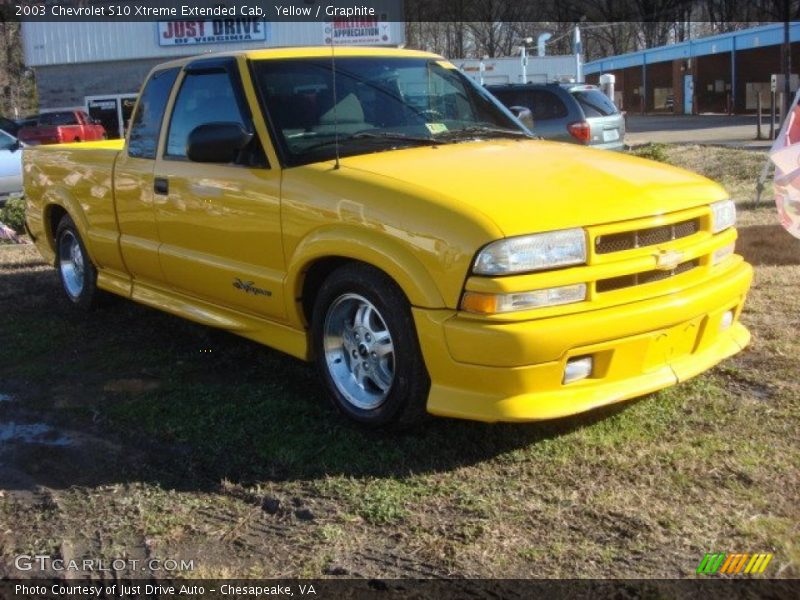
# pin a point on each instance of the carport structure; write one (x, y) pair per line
(721, 73)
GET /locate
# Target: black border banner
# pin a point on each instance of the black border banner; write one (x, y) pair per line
(707, 588)
(161, 10)
(572, 11)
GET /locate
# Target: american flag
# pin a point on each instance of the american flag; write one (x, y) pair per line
(785, 153)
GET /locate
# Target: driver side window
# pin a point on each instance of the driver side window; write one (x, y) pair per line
(203, 98)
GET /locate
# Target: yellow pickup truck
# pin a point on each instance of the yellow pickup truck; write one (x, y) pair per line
(379, 214)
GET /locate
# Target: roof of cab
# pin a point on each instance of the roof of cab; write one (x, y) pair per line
(314, 51)
(307, 52)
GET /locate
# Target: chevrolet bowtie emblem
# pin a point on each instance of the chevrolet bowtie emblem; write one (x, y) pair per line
(666, 260)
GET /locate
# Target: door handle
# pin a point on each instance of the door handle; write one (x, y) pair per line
(161, 186)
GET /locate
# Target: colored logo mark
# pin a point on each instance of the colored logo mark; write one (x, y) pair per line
(733, 564)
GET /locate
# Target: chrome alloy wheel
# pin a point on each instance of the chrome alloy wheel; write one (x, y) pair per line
(71, 264)
(359, 351)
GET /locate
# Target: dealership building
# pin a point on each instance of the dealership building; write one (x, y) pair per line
(100, 66)
(720, 73)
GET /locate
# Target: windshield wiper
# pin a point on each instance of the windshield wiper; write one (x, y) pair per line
(377, 135)
(402, 137)
(482, 130)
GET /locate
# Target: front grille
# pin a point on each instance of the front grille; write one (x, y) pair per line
(627, 240)
(624, 281)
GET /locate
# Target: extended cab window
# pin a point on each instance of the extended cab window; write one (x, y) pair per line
(146, 125)
(203, 98)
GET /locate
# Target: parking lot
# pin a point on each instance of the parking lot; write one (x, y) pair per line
(735, 131)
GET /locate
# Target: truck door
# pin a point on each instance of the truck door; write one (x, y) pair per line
(133, 180)
(219, 223)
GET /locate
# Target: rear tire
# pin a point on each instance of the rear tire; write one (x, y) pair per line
(366, 349)
(77, 273)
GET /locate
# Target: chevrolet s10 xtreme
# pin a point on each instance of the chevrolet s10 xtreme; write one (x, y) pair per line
(383, 216)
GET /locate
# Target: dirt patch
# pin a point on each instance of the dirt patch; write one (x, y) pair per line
(768, 245)
(131, 386)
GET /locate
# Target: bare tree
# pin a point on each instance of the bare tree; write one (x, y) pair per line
(490, 26)
(17, 89)
(475, 28)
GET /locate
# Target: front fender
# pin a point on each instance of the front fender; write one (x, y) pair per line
(378, 250)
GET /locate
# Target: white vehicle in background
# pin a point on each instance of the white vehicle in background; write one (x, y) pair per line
(519, 69)
(10, 167)
(527, 68)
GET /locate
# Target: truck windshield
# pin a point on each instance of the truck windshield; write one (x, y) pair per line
(380, 103)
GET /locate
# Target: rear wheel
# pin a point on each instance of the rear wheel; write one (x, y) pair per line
(78, 274)
(366, 348)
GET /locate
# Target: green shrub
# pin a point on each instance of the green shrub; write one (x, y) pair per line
(652, 151)
(13, 214)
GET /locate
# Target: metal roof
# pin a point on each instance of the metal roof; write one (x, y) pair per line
(746, 39)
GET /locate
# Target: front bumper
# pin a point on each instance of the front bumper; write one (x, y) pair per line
(615, 145)
(514, 371)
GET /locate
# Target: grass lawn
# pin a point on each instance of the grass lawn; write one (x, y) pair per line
(161, 438)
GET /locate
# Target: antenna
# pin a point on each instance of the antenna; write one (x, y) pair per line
(335, 103)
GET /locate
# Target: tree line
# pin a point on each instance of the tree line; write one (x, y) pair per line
(494, 28)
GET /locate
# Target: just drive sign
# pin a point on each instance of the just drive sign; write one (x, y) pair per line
(216, 31)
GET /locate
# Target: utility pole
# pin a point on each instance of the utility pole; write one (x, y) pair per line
(523, 59)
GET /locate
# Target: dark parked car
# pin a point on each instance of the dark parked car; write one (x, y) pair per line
(567, 112)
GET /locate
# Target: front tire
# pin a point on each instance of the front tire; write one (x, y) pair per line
(77, 273)
(366, 348)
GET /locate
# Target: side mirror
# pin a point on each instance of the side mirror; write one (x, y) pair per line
(524, 114)
(15, 146)
(216, 142)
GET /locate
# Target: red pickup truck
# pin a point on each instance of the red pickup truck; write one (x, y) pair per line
(62, 127)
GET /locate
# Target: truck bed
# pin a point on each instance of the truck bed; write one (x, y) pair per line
(79, 178)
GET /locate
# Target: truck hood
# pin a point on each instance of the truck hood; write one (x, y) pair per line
(526, 185)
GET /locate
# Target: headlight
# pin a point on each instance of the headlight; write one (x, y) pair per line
(532, 253)
(723, 215)
(488, 304)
